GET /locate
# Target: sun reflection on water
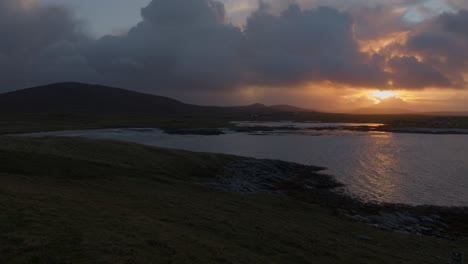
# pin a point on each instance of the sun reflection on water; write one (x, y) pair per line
(381, 159)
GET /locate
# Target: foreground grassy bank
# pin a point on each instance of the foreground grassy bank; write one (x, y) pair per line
(65, 200)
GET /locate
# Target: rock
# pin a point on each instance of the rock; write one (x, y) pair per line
(425, 229)
(248, 175)
(253, 175)
(360, 218)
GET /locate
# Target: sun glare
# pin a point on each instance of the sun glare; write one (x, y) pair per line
(381, 95)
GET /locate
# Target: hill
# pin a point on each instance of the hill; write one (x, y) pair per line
(65, 106)
(291, 108)
(79, 98)
(85, 98)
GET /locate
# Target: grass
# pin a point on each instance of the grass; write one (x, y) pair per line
(66, 200)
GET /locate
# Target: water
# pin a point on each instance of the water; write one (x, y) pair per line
(413, 169)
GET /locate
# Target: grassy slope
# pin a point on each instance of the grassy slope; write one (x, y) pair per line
(66, 200)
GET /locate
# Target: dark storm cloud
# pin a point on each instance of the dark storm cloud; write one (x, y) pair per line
(443, 45)
(409, 73)
(442, 50)
(179, 44)
(188, 45)
(312, 45)
(28, 29)
(455, 23)
(34, 39)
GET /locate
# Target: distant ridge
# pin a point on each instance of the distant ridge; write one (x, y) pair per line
(402, 111)
(382, 111)
(447, 113)
(80, 98)
(291, 108)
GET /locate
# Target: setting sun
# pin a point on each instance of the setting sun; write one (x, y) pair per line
(384, 94)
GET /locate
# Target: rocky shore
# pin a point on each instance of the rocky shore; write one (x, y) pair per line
(250, 175)
(306, 183)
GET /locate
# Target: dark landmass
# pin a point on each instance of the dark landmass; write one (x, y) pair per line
(249, 129)
(194, 131)
(264, 130)
(77, 98)
(72, 200)
(448, 113)
(382, 111)
(290, 108)
(68, 106)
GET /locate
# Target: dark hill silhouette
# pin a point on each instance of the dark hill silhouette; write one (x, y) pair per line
(79, 98)
(291, 108)
(85, 98)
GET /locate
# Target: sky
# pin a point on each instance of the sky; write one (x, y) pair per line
(329, 55)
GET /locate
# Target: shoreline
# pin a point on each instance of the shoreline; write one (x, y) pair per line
(221, 129)
(100, 200)
(207, 132)
(295, 180)
(308, 184)
(363, 128)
